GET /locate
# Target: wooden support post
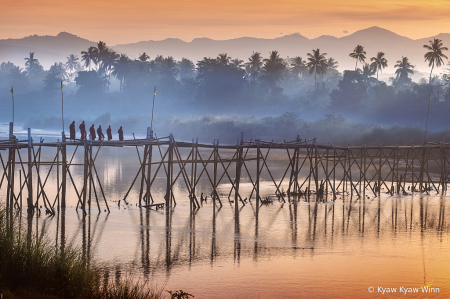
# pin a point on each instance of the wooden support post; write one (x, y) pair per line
(149, 174)
(258, 156)
(192, 194)
(238, 176)
(90, 171)
(379, 171)
(144, 160)
(422, 165)
(215, 173)
(444, 186)
(85, 175)
(30, 174)
(20, 182)
(316, 168)
(169, 174)
(364, 171)
(12, 165)
(412, 168)
(57, 174)
(64, 171)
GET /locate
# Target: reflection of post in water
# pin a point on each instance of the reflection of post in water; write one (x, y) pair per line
(213, 237)
(83, 246)
(293, 222)
(422, 216)
(192, 235)
(29, 228)
(237, 240)
(441, 213)
(63, 229)
(315, 220)
(168, 239)
(379, 215)
(255, 251)
(145, 240)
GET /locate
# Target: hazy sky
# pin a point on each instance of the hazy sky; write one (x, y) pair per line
(118, 22)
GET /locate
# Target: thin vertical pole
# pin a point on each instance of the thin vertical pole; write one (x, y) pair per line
(30, 174)
(57, 173)
(144, 160)
(258, 156)
(86, 151)
(169, 173)
(216, 143)
(64, 170)
(316, 169)
(62, 106)
(379, 172)
(149, 173)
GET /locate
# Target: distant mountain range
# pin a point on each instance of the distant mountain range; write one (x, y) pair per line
(50, 49)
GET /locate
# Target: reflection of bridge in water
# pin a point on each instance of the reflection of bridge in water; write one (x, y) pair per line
(163, 245)
(312, 171)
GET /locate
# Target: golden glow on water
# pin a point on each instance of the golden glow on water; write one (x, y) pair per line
(287, 250)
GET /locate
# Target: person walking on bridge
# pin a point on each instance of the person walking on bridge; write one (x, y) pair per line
(92, 132)
(72, 130)
(109, 133)
(82, 130)
(120, 133)
(100, 133)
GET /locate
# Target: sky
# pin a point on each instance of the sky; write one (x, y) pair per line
(120, 22)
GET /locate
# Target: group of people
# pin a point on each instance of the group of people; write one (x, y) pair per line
(100, 135)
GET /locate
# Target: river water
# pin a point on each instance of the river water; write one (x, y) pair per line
(357, 247)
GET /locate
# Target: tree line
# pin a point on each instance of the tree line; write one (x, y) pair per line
(300, 83)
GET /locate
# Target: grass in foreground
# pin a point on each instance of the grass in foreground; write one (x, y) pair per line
(31, 268)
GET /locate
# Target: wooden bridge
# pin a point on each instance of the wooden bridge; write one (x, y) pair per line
(312, 171)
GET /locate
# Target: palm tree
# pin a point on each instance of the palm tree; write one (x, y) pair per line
(359, 54)
(59, 70)
(72, 62)
(254, 64)
(237, 63)
(274, 67)
(434, 57)
(90, 57)
(109, 58)
(223, 59)
(367, 72)
(186, 68)
(403, 69)
(332, 64)
(143, 57)
(121, 68)
(378, 63)
(31, 62)
(102, 51)
(298, 66)
(317, 64)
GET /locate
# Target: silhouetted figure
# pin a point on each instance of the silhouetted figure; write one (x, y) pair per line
(92, 132)
(100, 133)
(72, 130)
(109, 133)
(82, 130)
(120, 133)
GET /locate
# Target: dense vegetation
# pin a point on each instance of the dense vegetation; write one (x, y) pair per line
(258, 89)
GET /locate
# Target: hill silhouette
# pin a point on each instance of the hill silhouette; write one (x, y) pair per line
(50, 49)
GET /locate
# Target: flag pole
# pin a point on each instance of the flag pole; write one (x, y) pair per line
(12, 94)
(62, 104)
(153, 107)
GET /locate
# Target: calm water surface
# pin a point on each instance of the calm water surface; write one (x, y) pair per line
(286, 250)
